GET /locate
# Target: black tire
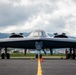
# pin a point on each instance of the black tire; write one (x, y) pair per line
(40, 55)
(2, 56)
(8, 56)
(36, 56)
(73, 56)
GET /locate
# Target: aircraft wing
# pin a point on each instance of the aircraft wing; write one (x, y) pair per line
(29, 43)
(59, 42)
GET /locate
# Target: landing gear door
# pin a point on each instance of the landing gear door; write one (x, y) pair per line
(38, 45)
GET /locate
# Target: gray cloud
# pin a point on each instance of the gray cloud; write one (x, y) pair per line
(61, 15)
(14, 1)
(74, 0)
(56, 25)
(10, 15)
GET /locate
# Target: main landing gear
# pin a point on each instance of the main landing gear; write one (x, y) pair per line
(5, 55)
(70, 54)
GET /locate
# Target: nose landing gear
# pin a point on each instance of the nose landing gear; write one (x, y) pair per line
(38, 45)
(38, 56)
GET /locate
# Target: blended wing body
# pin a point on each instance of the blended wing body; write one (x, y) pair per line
(38, 36)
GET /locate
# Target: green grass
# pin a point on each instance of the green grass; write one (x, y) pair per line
(58, 55)
(32, 55)
(21, 55)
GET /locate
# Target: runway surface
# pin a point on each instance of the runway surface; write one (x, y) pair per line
(59, 67)
(30, 67)
(18, 67)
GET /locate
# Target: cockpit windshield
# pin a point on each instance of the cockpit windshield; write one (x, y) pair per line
(38, 33)
(35, 34)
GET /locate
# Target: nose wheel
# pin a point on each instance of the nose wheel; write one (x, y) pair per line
(40, 56)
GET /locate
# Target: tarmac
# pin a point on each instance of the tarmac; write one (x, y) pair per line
(18, 67)
(30, 67)
(59, 67)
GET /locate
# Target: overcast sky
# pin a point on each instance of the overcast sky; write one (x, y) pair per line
(27, 15)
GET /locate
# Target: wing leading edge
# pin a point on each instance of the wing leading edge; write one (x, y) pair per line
(29, 43)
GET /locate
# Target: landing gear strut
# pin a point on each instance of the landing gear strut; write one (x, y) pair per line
(38, 46)
(7, 54)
